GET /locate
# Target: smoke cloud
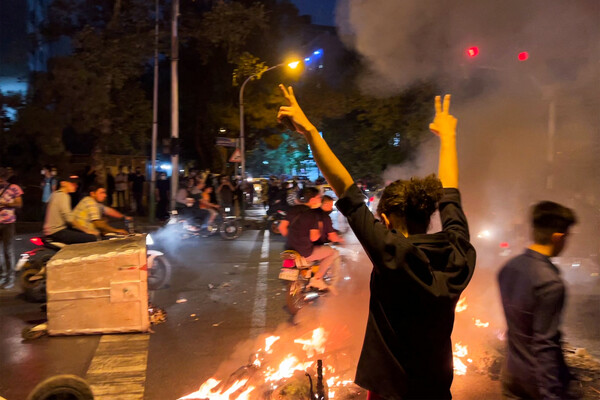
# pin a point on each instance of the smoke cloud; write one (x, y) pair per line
(527, 130)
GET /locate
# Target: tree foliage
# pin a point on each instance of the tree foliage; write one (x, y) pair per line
(97, 98)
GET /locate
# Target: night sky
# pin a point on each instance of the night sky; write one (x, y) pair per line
(13, 38)
(321, 11)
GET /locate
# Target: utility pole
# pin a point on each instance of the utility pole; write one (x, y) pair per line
(174, 147)
(152, 196)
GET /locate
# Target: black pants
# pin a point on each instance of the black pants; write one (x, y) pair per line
(109, 198)
(71, 236)
(7, 236)
(139, 207)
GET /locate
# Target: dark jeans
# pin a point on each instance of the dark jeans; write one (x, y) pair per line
(7, 235)
(515, 388)
(71, 236)
(161, 208)
(109, 198)
(139, 207)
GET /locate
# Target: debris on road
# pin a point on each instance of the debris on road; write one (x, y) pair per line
(218, 323)
(157, 314)
(179, 301)
(211, 286)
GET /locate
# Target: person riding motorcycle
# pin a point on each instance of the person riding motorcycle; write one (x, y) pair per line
(90, 211)
(301, 228)
(59, 223)
(328, 233)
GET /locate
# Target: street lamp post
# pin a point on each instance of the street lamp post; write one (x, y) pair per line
(242, 138)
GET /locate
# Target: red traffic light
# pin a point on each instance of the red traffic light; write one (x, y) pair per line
(472, 51)
(523, 56)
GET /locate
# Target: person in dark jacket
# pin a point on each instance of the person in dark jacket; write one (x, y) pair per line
(533, 296)
(417, 278)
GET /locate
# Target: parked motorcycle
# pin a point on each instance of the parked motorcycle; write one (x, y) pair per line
(297, 272)
(228, 226)
(31, 266)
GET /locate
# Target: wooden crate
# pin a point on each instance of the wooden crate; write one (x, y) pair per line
(99, 287)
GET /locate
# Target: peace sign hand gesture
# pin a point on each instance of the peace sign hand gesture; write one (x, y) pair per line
(293, 112)
(444, 124)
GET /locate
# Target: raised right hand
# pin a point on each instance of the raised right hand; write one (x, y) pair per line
(444, 124)
(293, 112)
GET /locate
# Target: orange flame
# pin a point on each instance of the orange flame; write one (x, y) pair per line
(206, 391)
(459, 351)
(461, 305)
(480, 324)
(314, 345)
(269, 342)
(286, 369)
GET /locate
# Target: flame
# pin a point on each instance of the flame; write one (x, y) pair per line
(206, 391)
(459, 351)
(286, 369)
(269, 342)
(314, 345)
(480, 324)
(461, 305)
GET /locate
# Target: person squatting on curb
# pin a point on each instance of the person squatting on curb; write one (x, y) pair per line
(417, 278)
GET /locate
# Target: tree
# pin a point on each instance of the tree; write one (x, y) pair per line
(91, 101)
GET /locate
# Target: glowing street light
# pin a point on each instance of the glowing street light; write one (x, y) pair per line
(293, 65)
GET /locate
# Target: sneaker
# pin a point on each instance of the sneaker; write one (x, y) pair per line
(9, 285)
(318, 284)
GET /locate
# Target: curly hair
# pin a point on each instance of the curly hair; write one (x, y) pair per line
(413, 200)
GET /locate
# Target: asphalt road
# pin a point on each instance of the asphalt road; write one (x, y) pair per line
(224, 299)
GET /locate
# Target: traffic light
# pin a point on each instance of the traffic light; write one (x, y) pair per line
(523, 56)
(472, 51)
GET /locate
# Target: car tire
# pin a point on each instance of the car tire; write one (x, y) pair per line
(66, 387)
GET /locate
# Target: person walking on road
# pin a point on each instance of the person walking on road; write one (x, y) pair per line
(10, 199)
(533, 296)
(417, 278)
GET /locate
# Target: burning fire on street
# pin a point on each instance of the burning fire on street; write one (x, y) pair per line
(266, 375)
(285, 365)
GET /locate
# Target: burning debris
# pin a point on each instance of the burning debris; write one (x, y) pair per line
(303, 373)
(157, 314)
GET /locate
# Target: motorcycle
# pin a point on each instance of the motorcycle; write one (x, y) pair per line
(31, 266)
(228, 226)
(297, 272)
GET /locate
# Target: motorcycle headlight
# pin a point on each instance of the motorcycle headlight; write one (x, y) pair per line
(149, 241)
(227, 209)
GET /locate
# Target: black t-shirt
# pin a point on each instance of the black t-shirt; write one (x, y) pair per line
(138, 183)
(302, 219)
(326, 225)
(415, 285)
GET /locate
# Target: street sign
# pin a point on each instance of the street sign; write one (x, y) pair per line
(226, 142)
(236, 156)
